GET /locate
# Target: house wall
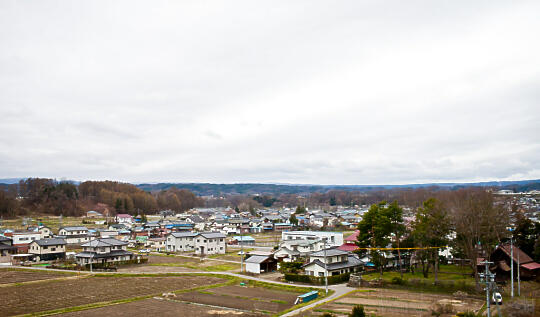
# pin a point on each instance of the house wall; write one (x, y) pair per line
(209, 246)
(181, 244)
(26, 238)
(45, 233)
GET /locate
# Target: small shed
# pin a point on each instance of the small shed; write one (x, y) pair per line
(260, 264)
(243, 240)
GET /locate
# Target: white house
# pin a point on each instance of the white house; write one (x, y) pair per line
(337, 262)
(74, 235)
(200, 243)
(124, 219)
(333, 239)
(45, 232)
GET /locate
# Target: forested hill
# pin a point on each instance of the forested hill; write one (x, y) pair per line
(207, 189)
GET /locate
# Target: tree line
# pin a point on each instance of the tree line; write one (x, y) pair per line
(48, 196)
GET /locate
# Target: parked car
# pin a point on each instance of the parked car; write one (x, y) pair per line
(145, 251)
(497, 298)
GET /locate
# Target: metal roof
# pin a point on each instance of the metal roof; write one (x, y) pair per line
(50, 241)
(103, 242)
(329, 252)
(75, 228)
(212, 235)
(258, 259)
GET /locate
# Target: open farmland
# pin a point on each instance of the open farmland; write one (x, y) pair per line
(50, 295)
(8, 276)
(160, 307)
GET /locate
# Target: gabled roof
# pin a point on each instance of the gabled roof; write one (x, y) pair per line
(74, 228)
(352, 261)
(183, 234)
(258, 259)
(523, 257)
(104, 242)
(329, 252)
(212, 235)
(353, 237)
(50, 241)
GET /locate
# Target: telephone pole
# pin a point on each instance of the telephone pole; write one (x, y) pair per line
(487, 277)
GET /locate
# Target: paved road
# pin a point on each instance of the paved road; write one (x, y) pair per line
(338, 289)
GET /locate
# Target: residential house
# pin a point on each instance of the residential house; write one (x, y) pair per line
(350, 242)
(6, 247)
(45, 232)
(334, 261)
(93, 214)
(21, 239)
(74, 235)
(332, 238)
(103, 250)
(156, 244)
(48, 249)
(200, 243)
(124, 219)
(243, 240)
(502, 257)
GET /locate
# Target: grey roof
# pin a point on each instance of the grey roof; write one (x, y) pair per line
(212, 235)
(183, 234)
(102, 255)
(50, 241)
(79, 228)
(352, 261)
(103, 242)
(329, 252)
(257, 259)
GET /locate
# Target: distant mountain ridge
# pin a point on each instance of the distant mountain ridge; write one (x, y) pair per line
(208, 189)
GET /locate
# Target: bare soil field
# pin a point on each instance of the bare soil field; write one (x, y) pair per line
(256, 292)
(67, 293)
(384, 302)
(232, 302)
(160, 307)
(13, 276)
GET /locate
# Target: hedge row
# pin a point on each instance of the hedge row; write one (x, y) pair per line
(317, 280)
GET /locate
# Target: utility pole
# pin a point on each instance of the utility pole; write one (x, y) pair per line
(325, 268)
(487, 277)
(511, 265)
(241, 250)
(519, 286)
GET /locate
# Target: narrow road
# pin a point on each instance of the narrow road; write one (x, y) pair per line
(339, 290)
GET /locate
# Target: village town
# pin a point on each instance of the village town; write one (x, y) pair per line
(316, 250)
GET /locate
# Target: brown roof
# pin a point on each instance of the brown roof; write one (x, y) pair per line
(523, 257)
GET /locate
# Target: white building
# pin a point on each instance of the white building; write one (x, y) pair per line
(74, 235)
(333, 239)
(199, 243)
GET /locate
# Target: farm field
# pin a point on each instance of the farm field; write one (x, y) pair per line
(141, 294)
(395, 303)
(160, 307)
(8, 276)
(170, 263)
(49, 295)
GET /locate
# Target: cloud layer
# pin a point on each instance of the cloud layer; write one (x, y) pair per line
(353, 92)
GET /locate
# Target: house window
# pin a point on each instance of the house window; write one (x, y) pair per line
(321, 274)
(45, 247)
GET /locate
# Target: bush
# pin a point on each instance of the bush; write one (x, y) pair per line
(357, 311)
(398, 281)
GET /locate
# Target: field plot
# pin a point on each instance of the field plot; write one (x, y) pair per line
(383, 302)
(163, 264)
(8, 276)
(51, 295)
(256, 299)
(160, 307)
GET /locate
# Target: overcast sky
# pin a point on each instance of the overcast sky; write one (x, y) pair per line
(327, 92)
